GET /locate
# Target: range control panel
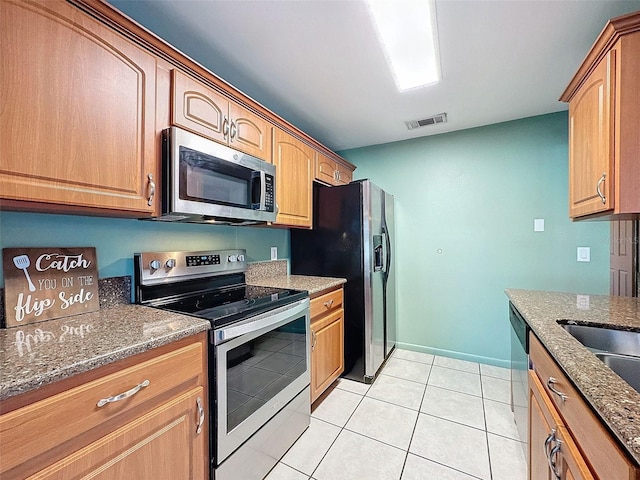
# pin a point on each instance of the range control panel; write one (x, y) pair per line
(165, 267)
(202, 260)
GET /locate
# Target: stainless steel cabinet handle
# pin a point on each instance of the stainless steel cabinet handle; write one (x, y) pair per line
(152, 190)
(315, 340)
(225, 127)
(548, 441)
(552, 459)
(329, 303)
(234, 130)
(550, 384)
(200, 415)
(600, 182)
(122, 396)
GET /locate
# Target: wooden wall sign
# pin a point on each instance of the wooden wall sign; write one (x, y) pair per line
(45, 283)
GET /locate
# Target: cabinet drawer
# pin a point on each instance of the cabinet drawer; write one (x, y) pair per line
(592, 437)
(326, 303)
(55, 425)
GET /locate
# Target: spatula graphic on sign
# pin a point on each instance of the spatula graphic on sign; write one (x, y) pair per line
(22, 262)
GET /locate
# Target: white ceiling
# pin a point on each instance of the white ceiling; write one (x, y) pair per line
(318, 64)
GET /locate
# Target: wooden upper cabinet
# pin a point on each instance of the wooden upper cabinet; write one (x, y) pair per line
(203, 110)
(331, 172)
(590, 148)
(294, 161)
(77, 113)
(604, 121)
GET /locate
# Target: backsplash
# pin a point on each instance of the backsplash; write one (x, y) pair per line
(259, 270)
(112, 291)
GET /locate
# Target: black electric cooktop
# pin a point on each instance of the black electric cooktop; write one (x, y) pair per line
(229, 305)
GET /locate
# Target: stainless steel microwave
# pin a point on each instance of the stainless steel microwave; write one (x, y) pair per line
(206, 182)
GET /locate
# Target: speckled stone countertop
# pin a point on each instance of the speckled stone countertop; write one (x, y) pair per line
(41, 353)
(613, 400)
(274, 274)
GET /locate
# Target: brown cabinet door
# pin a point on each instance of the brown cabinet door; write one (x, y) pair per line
(77, 111)
(294, 163)
(326, 169)
(540, 426)
(163, 444)
(550, 443)
(199, 109)
(590, 142)
(327, 352)
(249, 133)
(344, 175)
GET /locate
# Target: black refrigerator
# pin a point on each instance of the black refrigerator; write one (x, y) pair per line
(353, 238)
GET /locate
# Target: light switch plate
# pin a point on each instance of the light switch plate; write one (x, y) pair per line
(584, 254)
(274, 253)
(538, 224)
(582, 302)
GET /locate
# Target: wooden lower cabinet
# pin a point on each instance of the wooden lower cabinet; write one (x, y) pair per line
(586, 449)
(552, 452)
(327, 344)
(159, 431)
(158, 445)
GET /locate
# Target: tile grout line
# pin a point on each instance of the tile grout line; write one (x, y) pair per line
(486, 429)
(406, 457)
(341, 429)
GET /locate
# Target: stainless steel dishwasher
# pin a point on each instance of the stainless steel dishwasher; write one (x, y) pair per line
(519, 373)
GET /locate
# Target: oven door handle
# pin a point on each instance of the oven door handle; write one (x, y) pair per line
(264, 321)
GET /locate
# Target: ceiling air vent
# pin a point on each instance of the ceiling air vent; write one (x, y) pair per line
(440, 118)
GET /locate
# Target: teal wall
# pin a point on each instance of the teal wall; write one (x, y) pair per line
(116, 240)
(473, 195)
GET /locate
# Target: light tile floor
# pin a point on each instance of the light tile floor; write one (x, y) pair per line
(425, 417)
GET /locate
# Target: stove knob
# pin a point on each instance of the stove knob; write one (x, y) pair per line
(170, 263)
(154, 264)
(241, 258)
(232, 258)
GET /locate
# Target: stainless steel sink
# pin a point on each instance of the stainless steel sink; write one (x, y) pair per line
(602, 339)
(628, 367)
(618, 349)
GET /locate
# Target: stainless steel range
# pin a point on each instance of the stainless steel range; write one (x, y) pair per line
(258, 353)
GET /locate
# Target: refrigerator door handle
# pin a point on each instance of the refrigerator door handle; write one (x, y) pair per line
(385, 251)
(378, 253)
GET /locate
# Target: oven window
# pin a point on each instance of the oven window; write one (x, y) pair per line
(261, 368)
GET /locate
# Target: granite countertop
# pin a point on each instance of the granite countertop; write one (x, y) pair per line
(612, 399)
(274, 274)
(300, 282)
(41, 353)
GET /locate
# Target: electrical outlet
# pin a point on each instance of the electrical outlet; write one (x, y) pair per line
(274, 253)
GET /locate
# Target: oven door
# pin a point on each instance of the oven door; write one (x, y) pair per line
(261, 364)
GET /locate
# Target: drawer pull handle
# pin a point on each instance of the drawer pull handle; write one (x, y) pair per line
(200, 416)
(550, 384)
(329, 303)
(122, 396)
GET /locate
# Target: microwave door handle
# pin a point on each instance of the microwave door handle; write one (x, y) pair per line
(263, 191)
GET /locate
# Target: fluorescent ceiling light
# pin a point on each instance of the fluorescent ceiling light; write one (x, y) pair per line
(407, 31)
